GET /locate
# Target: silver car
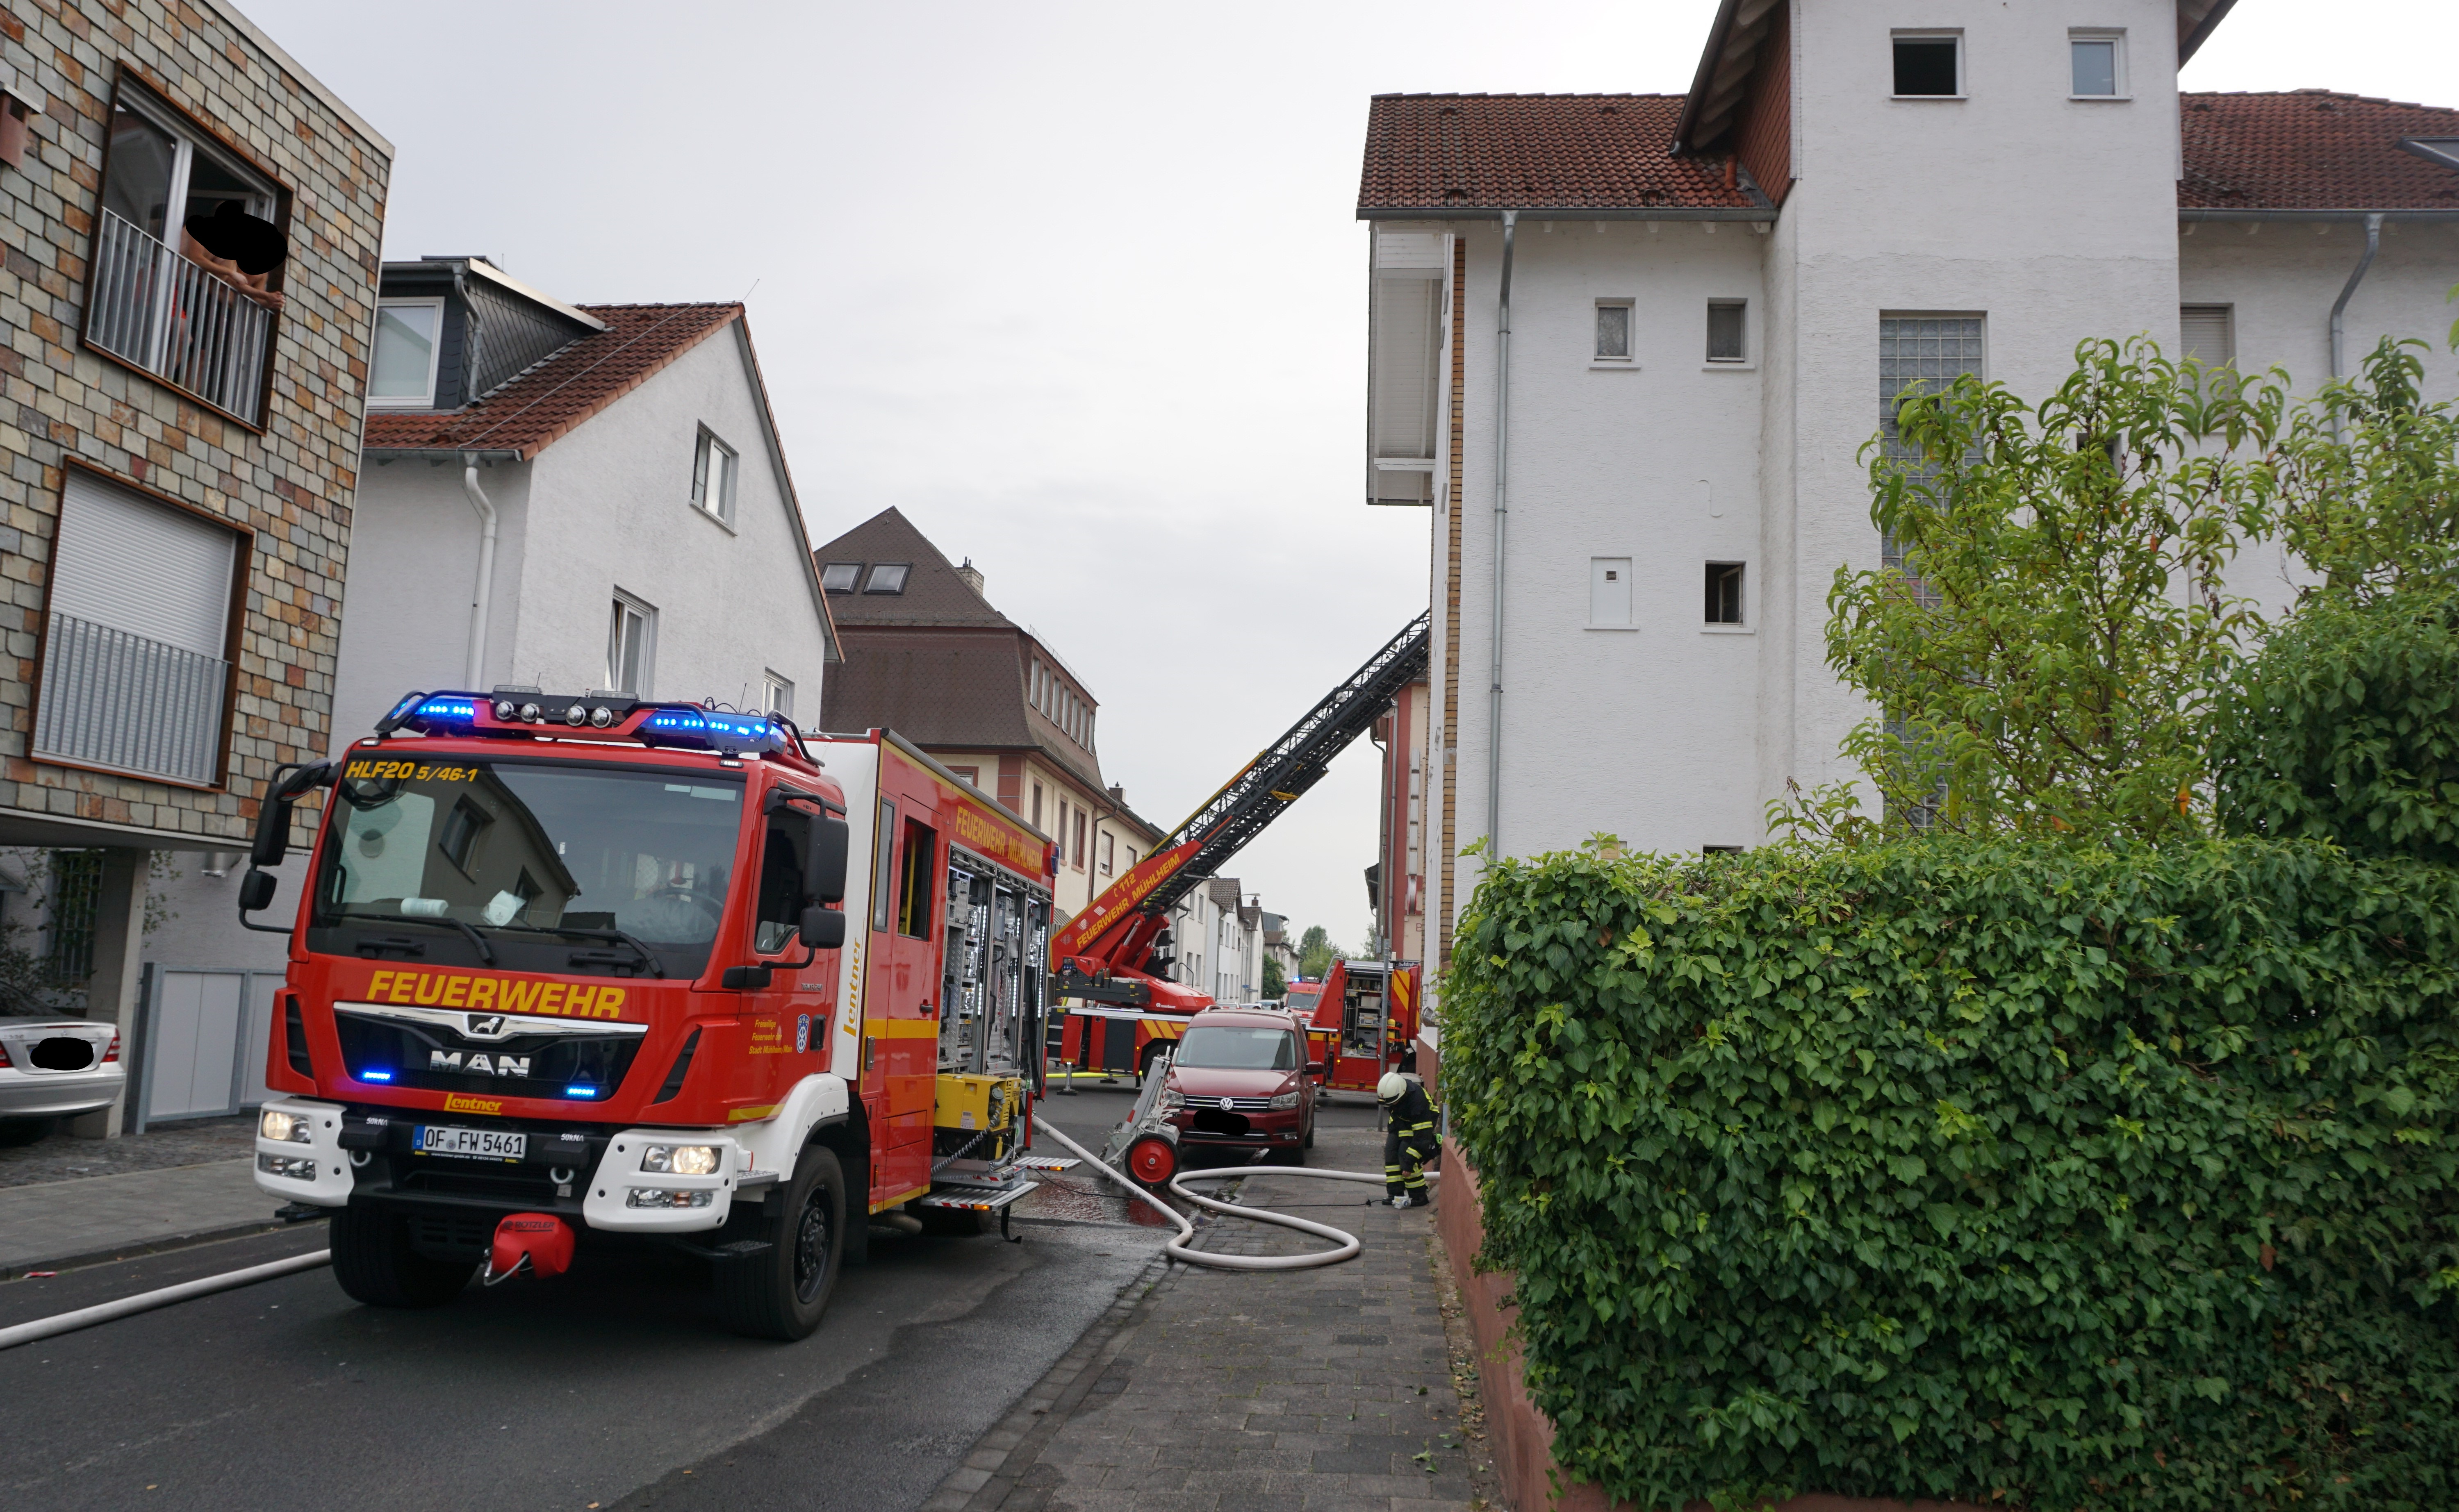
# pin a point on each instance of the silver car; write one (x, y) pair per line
(54, 1068)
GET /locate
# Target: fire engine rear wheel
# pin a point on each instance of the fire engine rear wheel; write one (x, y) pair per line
(375, 1264)
(779, 1292)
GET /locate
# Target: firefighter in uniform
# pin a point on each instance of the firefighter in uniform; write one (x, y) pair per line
(1409, 1138)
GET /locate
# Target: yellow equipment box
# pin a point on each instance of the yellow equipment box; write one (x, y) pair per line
(974, 1102)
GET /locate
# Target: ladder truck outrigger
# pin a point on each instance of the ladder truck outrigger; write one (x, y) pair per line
(1114, 958)
(595, 973)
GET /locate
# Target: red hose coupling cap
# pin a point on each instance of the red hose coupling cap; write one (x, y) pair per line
(539, 1243)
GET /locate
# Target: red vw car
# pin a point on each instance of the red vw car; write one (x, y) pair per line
(1241, 1081)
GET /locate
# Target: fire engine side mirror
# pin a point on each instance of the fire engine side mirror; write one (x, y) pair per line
(822, 929)
(255, 890)
(273, 819)
(823, 867)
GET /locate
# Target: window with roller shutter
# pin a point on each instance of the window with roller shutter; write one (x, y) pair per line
(2207, 334)
(135, 647)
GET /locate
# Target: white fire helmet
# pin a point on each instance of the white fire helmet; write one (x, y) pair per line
(1392, 1088)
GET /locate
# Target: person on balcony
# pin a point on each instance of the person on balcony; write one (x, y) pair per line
(241, 249)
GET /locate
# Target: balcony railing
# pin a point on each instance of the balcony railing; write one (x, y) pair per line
(155, 309)
(118, 700)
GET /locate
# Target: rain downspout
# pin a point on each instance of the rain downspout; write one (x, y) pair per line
(480, 590)
(2339, 305)
(1502, 514)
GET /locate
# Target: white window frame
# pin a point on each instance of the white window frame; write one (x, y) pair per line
(1630, 334)
(1962, 65)
(2121, 87)
(1706, 356)
(645, 683)
(708, 446)
(434, 355)
(776, 694)
(1743, 625)
(264, 199)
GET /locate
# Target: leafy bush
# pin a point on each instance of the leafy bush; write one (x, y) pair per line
(2042, 651)
(2054, 1175)
(2345, 727)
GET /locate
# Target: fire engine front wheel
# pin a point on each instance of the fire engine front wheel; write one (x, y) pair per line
(375, 1264)
(781, 1291)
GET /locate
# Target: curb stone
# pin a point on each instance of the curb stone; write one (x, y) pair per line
(152, 1247)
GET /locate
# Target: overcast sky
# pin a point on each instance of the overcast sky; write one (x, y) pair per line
(1076, 287)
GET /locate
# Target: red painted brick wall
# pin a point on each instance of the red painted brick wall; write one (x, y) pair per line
(1765, 142)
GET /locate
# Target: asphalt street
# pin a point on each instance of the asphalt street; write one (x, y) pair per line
(613, 1382)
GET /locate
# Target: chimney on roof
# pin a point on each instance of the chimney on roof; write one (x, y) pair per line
(973, 578)
(1119, 794)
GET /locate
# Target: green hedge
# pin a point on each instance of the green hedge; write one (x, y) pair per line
(2345, 727)
(2053, 1175)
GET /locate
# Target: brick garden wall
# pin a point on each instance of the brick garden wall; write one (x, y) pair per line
(292, 486)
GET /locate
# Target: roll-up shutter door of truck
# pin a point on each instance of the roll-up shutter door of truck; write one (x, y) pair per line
(124, 561)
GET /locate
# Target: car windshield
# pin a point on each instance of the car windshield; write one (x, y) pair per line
(514, 849)
(1219, 1047)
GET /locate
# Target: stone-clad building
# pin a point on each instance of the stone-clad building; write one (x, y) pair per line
(180, 430)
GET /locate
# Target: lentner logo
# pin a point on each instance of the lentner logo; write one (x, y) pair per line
(454, 1102)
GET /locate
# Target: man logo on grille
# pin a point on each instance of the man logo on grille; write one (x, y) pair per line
(482, 1026)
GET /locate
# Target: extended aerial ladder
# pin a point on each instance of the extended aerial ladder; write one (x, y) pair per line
(1115, 951)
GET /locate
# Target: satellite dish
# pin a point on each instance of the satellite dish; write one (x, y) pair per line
(255, 244)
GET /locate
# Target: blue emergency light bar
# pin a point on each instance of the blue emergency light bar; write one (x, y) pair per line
(705, 729)
(678, 726)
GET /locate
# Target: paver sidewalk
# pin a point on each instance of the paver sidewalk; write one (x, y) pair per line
(1304, 1391)
(104, 1215)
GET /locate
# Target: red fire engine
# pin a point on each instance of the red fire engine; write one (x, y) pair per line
(1362, 1022)
(641, 973)
(1115, 956)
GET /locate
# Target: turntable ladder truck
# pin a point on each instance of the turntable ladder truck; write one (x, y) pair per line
(1114, 958)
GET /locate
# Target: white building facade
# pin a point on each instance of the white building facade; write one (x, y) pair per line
(1646, 466)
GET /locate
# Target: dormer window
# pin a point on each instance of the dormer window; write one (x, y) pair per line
(840, 577)
(888, 577)
(1929, 66)
(403, 374)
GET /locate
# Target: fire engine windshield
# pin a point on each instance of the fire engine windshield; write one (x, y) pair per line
(557, 866)
(1218, 1047)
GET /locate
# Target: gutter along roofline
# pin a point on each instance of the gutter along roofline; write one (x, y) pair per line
(1565, 213)
(2355, 216)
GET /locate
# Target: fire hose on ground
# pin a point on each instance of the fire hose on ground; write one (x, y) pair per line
(1177, 1249)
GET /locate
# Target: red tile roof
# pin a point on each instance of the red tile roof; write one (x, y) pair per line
(553, 398)
(2311, 149)
(1433, 153)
